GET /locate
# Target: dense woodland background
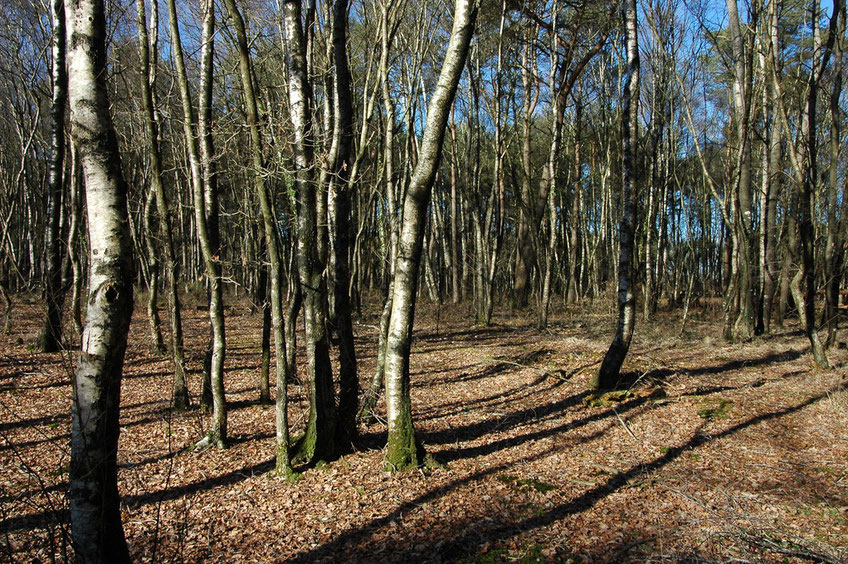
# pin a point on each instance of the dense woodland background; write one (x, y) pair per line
(717, 189)
(328, 164)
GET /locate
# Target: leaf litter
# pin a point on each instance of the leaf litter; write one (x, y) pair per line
(710, 452)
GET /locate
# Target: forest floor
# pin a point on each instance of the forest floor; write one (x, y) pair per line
(718, 452)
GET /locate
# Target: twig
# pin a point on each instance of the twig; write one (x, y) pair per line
(626, 426)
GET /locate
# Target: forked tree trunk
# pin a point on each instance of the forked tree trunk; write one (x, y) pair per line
(608, 375)
(96, 528)
(206, 221)
(191, 140)
(157, 341)
(208, 236)
(318, 441)
(387, 22)
(806, 206)
(546, 260)
(403, 449)
(524, 259)
(262, 298)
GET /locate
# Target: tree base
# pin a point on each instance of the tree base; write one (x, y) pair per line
(181, 402)
(411, 457)
(211, 440)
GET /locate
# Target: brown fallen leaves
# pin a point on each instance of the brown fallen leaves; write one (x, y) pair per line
(716, 452)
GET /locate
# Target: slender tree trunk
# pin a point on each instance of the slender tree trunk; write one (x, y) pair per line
(50, 338)
(387, 20)
(403, 450)
(295, 302)
(741, 314)
(574, 262)
(834, 257)
(191, 140)
(148, 45)
(608, 375)
(524, 256)
(206, 220)
(74, 232)
(264, 299)
(269, 227)
(768, 215)
(96, 528)
(157, 341)
(806, 201)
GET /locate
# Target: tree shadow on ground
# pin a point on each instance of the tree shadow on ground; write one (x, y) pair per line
(502, 423)
(458, 453)
(429, 342)
(491, 367)
(494, 531)
(45, 386)
(490, 532)
(498, 399)
(769, 359)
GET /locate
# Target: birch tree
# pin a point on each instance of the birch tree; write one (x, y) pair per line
(403, 449)
(148, 44)
(96, 528)
(611, 366)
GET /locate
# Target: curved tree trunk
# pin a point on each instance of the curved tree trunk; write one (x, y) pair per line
(206, 219)
(148, 47)
(191, 139)
(96, 528)
(611, 367)
(74, 233)
(157, 341)
(403, 450)
(388, 17)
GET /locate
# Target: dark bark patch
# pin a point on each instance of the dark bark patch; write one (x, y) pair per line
(111, 293)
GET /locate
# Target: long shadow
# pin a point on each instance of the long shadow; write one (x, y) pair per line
(457, 407)
(446, 336)
(492, 447)
(158, 373)
(359, 534)
(31, 493)
(209, 483)
(44, 518)
(431, 372)
(492, 370)
(493, 367)
(773, 358)
(589, 498)
(150, 459)
(499, 532)
(43, 420)
(14, 387)
(422, 348)
(500, 423)
(699, 391)
(64, 439)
